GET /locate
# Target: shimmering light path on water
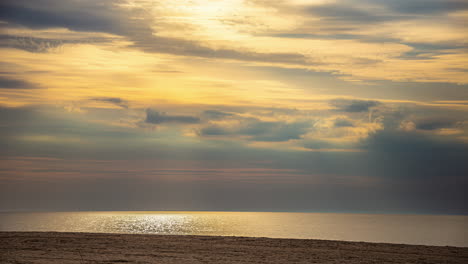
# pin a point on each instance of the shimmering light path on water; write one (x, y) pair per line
(439, 230)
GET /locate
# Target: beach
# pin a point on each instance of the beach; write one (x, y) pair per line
(57, 247)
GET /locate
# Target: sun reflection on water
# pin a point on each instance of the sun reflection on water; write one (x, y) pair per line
(409, 229)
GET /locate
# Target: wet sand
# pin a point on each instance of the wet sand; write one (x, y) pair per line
(79, 248)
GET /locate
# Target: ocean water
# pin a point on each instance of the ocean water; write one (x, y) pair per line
(440, 230)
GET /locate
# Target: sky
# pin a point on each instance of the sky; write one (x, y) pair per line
(234, 105)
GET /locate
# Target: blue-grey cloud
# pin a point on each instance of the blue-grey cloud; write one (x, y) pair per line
(274, 131)
(215, 114)
(425, 51)
(9, 83)
(365, 11)
(424, 7)
(413, 155)
(435, 123)
(342, 34)
(34, 44)
(29, 43)
(153, 43)
(213, 130)
(101, 16)
(353, 106)
(155, 117)
(342, 12)
(341, 122)
(113, 100)
(257, 130)
(319, 144)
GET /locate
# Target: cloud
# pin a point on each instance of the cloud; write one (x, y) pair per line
(320, 144)
(40, 45)
(370, 11)
(435, 123)
(414, 155)
(145, 26)
(9, 83)
(102, 16)
(107, 16)
(342, 122)
(156, 44)
(400, 171)
(425, 118)
(30, 44)
(359, 11)
(14, 117)
(425, 7)
(214, 131)
(342, 12)
(353, 106)
(113, 100)
(284, 132)
(110, 17)
(155, 117)
(215, 114)
(256, 130)
(274, 131)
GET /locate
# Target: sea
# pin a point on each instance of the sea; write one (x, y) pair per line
(438, 230)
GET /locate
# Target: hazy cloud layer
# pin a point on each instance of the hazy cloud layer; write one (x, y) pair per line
(426, 172)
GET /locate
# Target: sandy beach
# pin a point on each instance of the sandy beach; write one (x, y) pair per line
(51, 247)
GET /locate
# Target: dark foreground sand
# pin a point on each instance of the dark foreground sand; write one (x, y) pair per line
(38, 247)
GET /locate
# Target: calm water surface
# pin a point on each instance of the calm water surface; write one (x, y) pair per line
(439, 230)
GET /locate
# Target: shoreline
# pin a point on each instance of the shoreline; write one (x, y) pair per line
(65, 247)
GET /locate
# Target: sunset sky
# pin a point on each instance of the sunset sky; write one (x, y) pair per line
(287, 105)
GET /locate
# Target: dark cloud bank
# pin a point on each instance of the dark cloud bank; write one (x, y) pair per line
(398, 171)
